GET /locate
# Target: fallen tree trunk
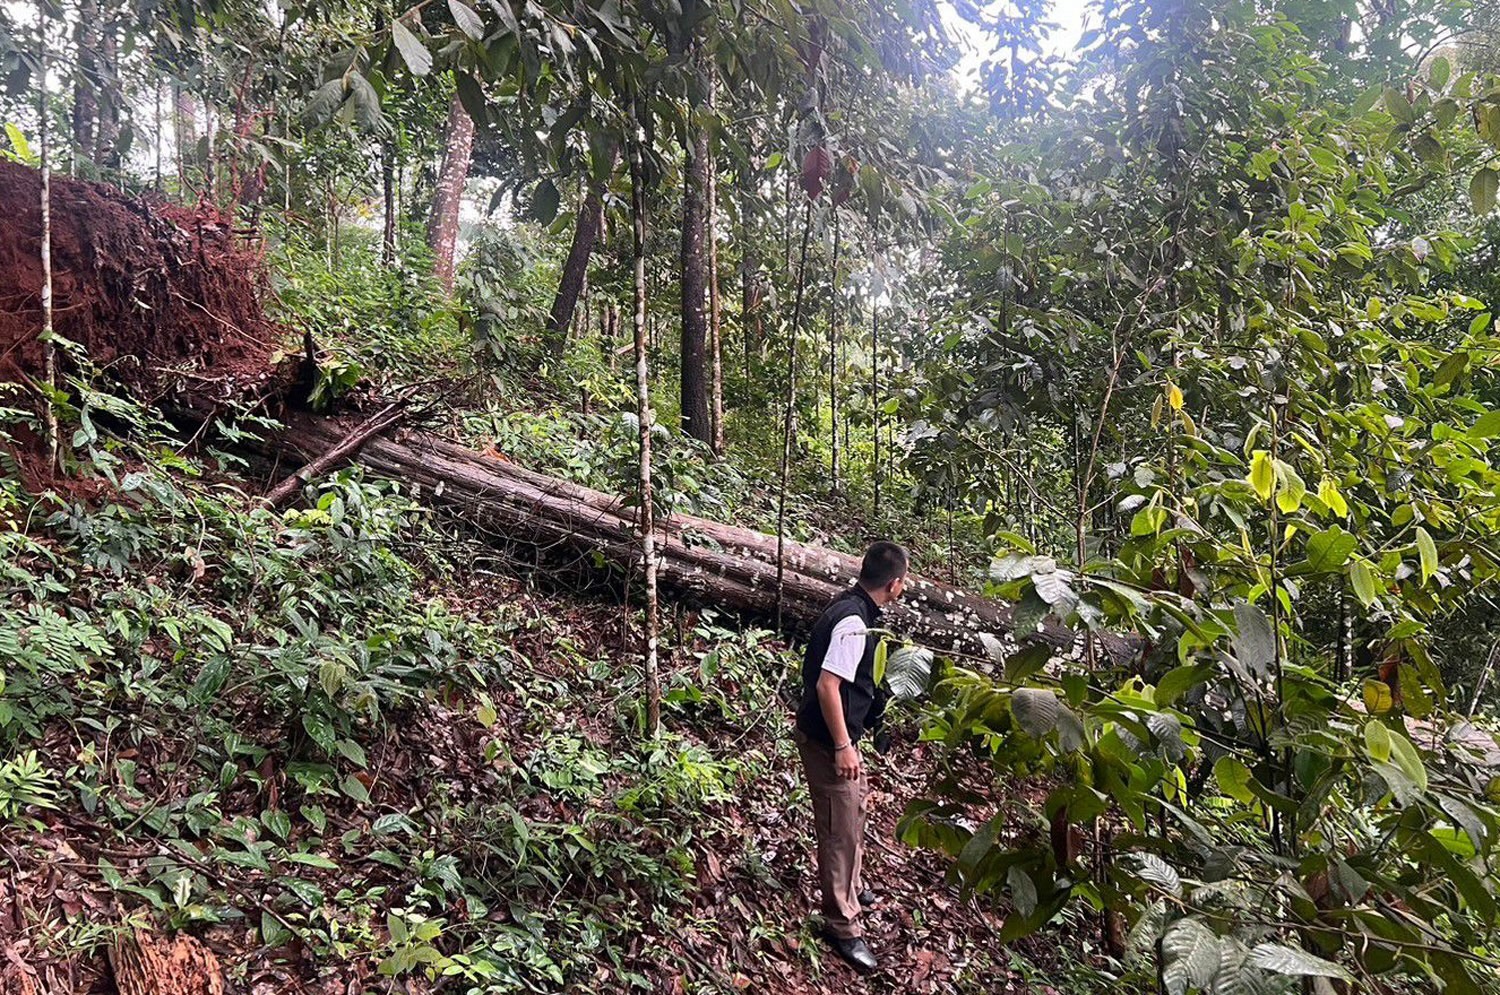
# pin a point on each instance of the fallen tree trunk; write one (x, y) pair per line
(702, 560)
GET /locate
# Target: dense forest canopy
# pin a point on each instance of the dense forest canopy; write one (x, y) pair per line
(1170, 326)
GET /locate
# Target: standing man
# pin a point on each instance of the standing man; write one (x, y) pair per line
(839, 703)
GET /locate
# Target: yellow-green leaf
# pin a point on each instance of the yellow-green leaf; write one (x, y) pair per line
(1487, 426)
(1174, 396)
(1378, 697)
(1291, 490)
(1329, 494)
(1377, 741)
(1234, 779)
(1483, 188)
(1409, 760)
(1262, 474)
(1427, 550)
(1363, 579)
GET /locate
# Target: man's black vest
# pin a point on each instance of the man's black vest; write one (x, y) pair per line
(863, 701)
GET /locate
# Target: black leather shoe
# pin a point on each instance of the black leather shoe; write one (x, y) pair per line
(867, 899)
(854, 952)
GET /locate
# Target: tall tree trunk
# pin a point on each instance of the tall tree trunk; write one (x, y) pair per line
(875, 403)
(586, 232)
(185, 132)
(833, 362)
(388, 195)
(86, 75)
(715, 332)
(643, 415)
(442, 226)
(696, 419)
(750, 295)
(49, 347)
(788, 431)
(156, 177)
(106, 150)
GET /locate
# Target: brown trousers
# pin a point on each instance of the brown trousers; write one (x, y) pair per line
(839, 812)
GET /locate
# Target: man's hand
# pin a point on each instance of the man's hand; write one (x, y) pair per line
(846, 762)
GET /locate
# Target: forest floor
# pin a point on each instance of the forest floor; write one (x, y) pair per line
(741, 917)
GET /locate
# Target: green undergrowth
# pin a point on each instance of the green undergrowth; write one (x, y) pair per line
(306, 734)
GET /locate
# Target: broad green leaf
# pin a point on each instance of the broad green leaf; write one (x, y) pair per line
(1483, 188)
(1487, 426)
(1454, 365)
(1262, 474)
(1377, 740)
(1427, 550)
(1234, 778)
(1330, 495)
(1291, 488)
(1414, 697)
(467, 20)
(1254, 642)
(1281, 959)
(1178, 681)
(1328, 550)
(1026, 661)
(1405, 756)
(1362, 578)
(416, 56)
(1035, 710)
(1151, 868)
(1378, 697)
(19, 144)
(1398, 107)
(907, 672)
(1190, 956)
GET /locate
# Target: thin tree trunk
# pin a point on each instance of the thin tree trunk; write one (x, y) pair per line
(388, 195)
(49, 347)
(750, 324)
(833, 363)
(156, 178)
(643, 414)
(185, 132)
(586, 232)
(442, 226)
(697, 421)
(715, 311)
(790, 412)
(875, 402)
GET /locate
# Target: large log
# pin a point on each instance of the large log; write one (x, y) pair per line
(703, 560)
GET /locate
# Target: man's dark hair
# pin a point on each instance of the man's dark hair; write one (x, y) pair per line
(883, 563)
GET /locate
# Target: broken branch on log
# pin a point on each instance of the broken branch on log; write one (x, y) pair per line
(380, 421)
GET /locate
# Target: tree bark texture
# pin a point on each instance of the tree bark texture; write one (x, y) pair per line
(833, 362)
(586, 231)
(751, 328)
(49, 346)
(715, 309)
(111, 94)
(86, 75)
(442, 226)
(388, 197)
(697, 421)
(643, 416)
(147, 964)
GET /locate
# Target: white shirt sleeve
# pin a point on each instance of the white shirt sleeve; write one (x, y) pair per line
(845, 647)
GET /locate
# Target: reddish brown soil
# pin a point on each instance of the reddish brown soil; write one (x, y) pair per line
(161, 298)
